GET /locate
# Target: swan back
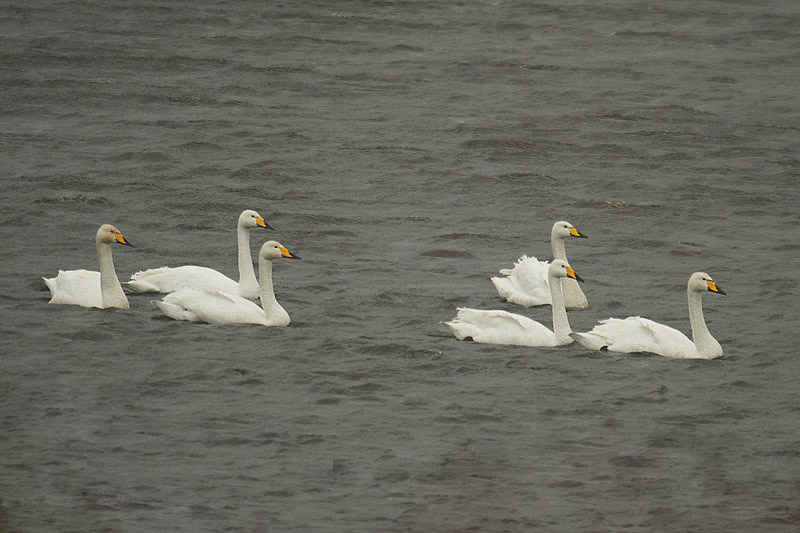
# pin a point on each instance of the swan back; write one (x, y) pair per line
(525, 284)
(76, 287)
(499, 327)
(637, 334)
(213, 307)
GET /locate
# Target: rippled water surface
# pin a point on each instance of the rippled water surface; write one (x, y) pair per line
(406, 151)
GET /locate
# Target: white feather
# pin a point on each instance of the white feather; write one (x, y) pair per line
(527, 282)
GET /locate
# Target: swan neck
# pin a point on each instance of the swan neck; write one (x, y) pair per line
(559, 250)
(560, 321)
(110, 287)
(705, 343)
(247, 275)
(266, 291)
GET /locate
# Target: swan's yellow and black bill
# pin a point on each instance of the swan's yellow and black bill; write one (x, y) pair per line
(286, 253)
(575, 233)
(712, 286)
(572, 274)
(260, 222)
(121, 239)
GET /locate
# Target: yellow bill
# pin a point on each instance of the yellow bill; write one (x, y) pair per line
(575, 233)
(712, 286)
(121, 239)
(288, 254)
(572, 274)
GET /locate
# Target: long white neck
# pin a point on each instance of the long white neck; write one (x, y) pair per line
(110, 288)
(265, 290)
(560, 321)
(248, 285)
(705, 343)
(557, 245)
(276, 315)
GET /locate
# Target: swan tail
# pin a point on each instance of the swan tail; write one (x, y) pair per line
(465, 325)
(175, 312)
(590, 341)
(139, 282)
(460, 330)
(503, 287)
(51, 284)
(140, 286)
(150, 272)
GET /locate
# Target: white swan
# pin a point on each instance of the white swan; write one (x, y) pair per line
(637, 334)
(526, 284)
(501, 327)
(91, 288)
(166, 279)
(218, 307)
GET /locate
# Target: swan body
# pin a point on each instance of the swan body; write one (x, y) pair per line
(219, 307)
(170, 279)
(91, 288)
(527, 283)
(501, 327)
(637, 334)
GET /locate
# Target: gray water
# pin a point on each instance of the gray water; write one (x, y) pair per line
(406, 151)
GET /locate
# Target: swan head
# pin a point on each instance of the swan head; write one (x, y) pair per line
(275, 250)
(700, 281)
(563, 229)
(251, 219)
(560, 269)
(108, 234)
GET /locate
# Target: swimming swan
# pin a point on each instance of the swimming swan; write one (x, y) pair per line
(501, 327)
(166, 279)
(637, 334)
(91, 288)
(218, 307)
(526, 283)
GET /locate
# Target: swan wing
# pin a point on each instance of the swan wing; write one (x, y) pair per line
(214, 307)
(168, 279)
(525, 284)
(76, 287)
(637, 334)
(499, 327)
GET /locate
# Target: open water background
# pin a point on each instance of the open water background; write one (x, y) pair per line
(407, 151)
